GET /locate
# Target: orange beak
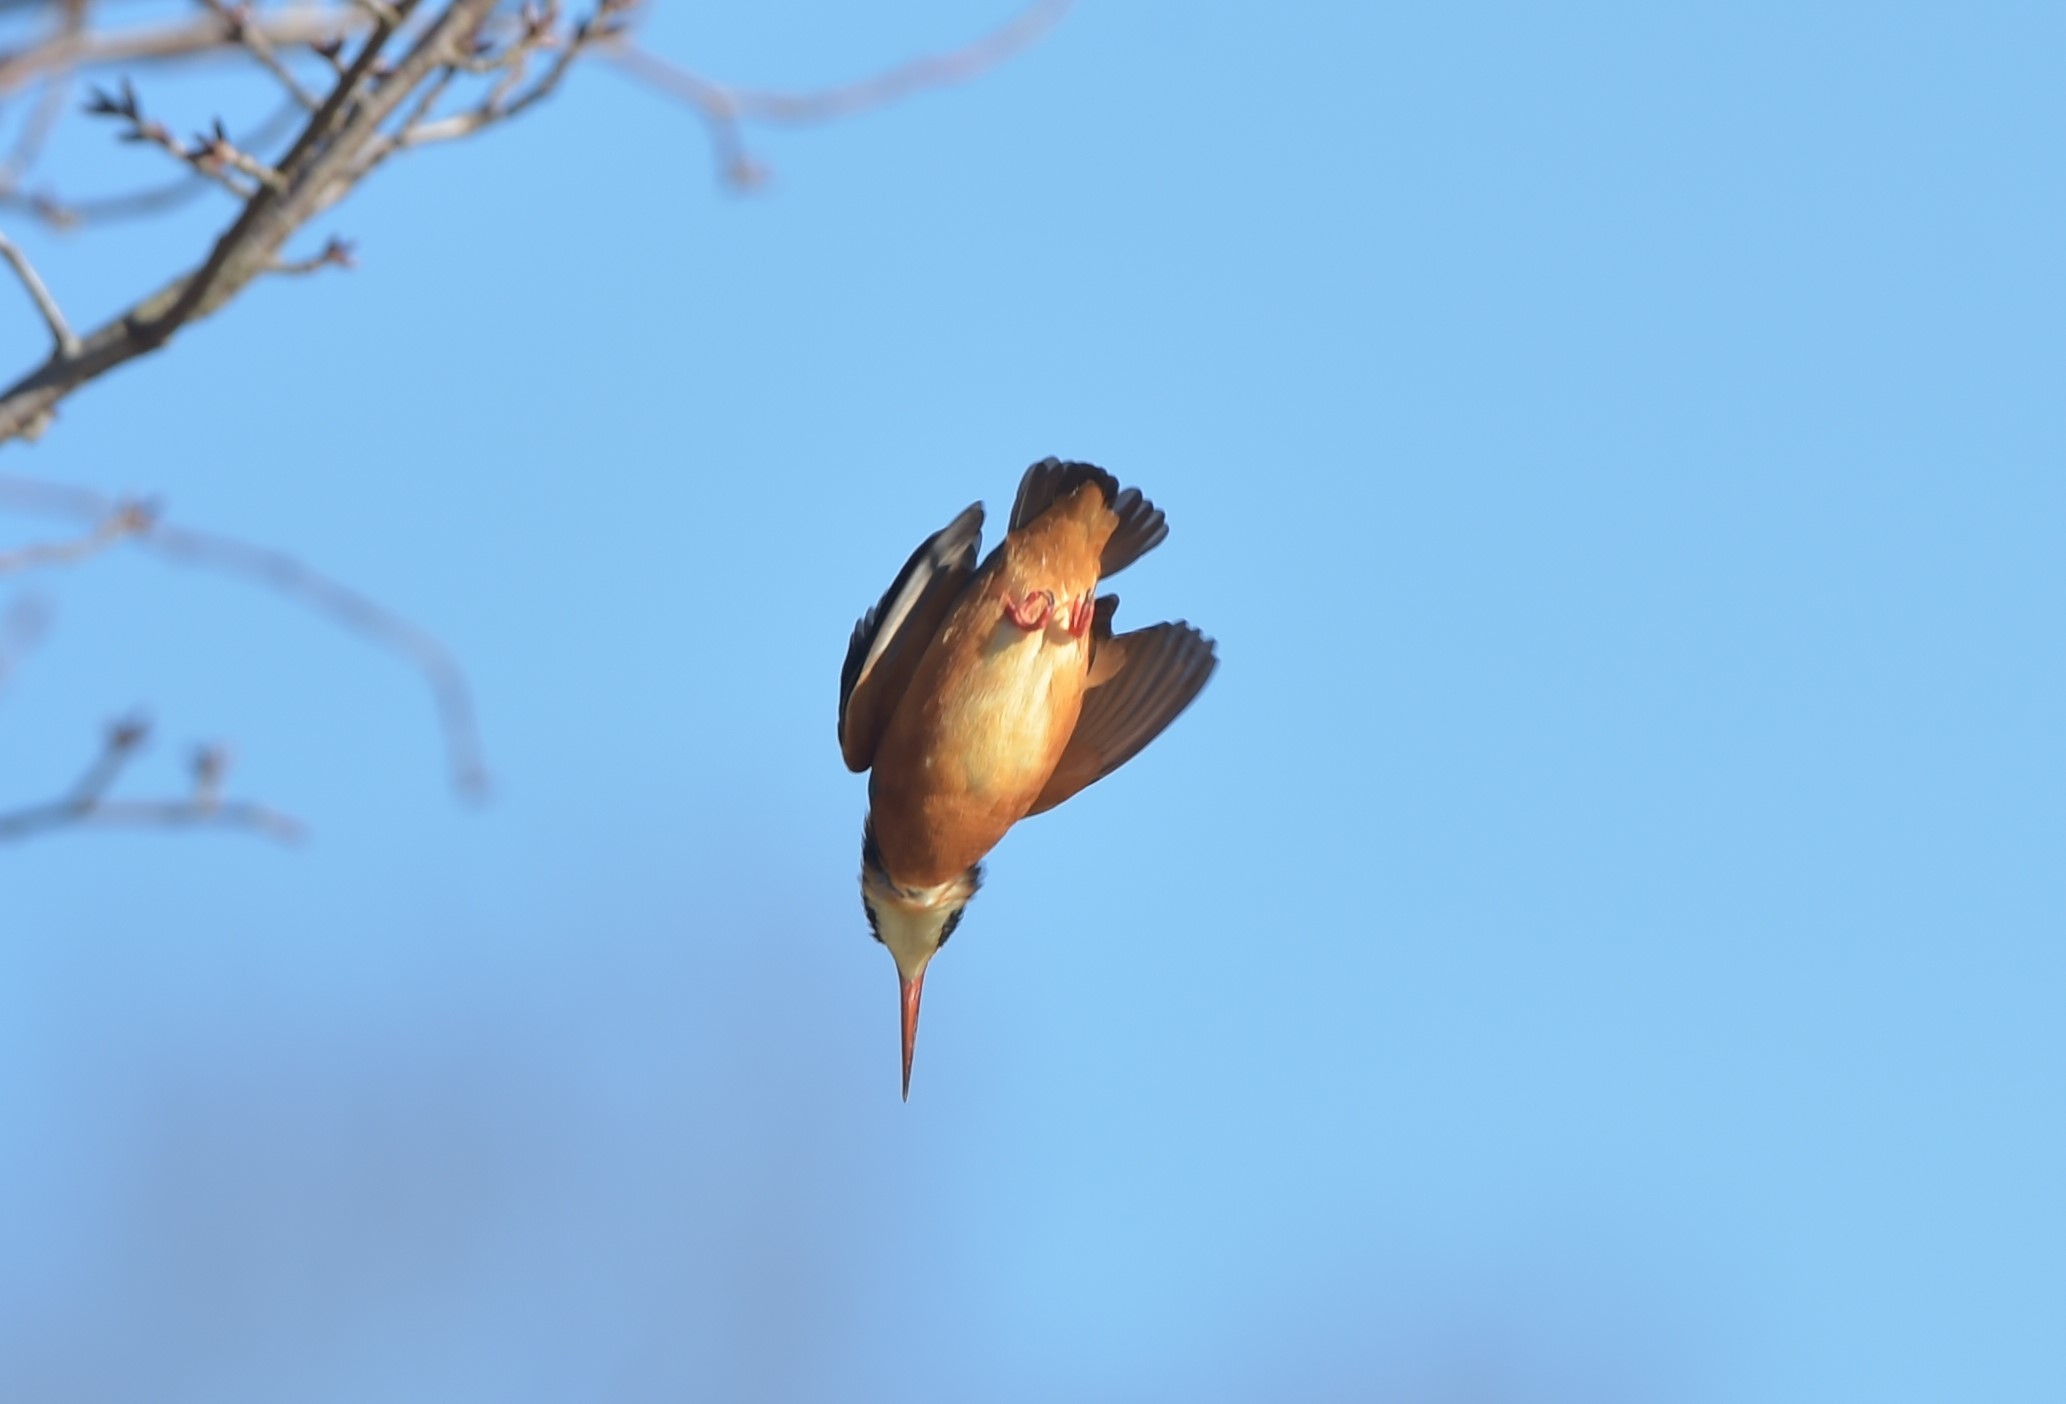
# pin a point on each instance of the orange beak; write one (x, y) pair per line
(913, 987)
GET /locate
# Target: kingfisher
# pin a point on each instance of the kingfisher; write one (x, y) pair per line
(979, 695)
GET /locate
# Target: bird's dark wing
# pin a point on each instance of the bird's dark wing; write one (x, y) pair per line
(1139, 682)
(891, 638)
(1141, 525)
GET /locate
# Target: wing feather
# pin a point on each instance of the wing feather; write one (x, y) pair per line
(889, 640)
(1144, 680)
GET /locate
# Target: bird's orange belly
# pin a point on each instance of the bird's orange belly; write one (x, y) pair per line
(980, 750)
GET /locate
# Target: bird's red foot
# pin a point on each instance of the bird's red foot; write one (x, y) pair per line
(1030, 613)
(1080, 613)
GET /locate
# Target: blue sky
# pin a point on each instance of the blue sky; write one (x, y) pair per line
(1598, 937)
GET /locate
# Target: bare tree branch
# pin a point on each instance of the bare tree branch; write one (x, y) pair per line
(238, 22)
(315, 173)
(497, 106)
(281, 573)
(724, 108)
(201, 36)
(126, 520)
(213, 154)
(53, 317)
(59, 213)
(337, 253)
(87, 804)
(351, 131)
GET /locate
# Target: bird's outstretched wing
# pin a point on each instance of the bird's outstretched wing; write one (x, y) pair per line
(1141, 525)
(891, 638)
(1139, 683)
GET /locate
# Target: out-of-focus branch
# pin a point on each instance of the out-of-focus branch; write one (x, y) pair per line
(724, 108)
(126, 520)
(243, 28)
(537, 33)
(50, 102)
(337, 253)
(281, 573)
(60, 213)
(213, 154)
(318, 170)
(39, 292)
(87, 802)
(354, 128)
(21, 625)
(201, 36)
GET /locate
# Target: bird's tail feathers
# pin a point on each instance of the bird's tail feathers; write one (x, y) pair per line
(1141, 524)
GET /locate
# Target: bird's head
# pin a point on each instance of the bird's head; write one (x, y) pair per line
(914, 922)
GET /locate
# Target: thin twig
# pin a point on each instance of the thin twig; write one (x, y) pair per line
(101, 209)
(238, 20)
(724, 107)
(353, 130)
(86, 803)
(199, 36)
(600, 29)
(39, 293)
(337, 253)
(354, 611)
(127, 520)
(213, 154)
(280, 572)
(35, 132)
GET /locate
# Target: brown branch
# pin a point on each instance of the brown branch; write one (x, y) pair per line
(213, 154)
(244, 251)
(50, 102)
(201, 36)
(35, 132)
(536, 34)
(724, 108)
(238, 23)
(100, 209)
(337, 253)
(67, 342)
(353, 130)
(126, 520)
(316, 172)
(86, 803)
(281, 573)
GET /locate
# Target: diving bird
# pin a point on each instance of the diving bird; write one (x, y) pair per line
(978, 695)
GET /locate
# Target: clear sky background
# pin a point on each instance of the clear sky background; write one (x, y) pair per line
(1598, 938)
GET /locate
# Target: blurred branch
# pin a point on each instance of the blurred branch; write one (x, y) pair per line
(70, 214)
(212, 154)
(537, 34)
(376, 105)
(284, 575)
(86, 803)
(724, 108)
(21, 626)
(77, 50)
(39, 293)
(336, 253)
(250, 31)
(321, 167)
(127, 519)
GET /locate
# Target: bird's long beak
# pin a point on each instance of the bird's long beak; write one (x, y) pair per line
(912, 989)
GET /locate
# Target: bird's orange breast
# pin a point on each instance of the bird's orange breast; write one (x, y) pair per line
(992, 705)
